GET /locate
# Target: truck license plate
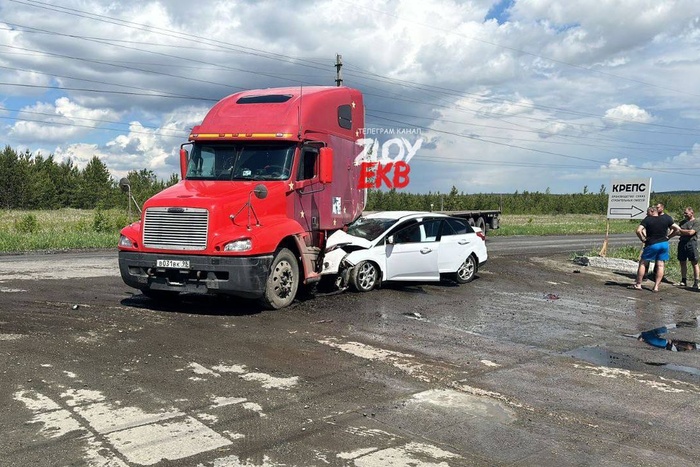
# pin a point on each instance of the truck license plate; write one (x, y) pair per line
(173, 263)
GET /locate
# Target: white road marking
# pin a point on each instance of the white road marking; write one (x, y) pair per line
(356, 453)
(224, 401)
(489, 363)
(10, 337)
(235, 461)
(271, 382)
(171, 440)
(141, 437)
(76, 397)
(56, 421)
(207, 417)
(202, 370)
(664, 385)
(414, 454)
(105, 417)
(97, 454)
(267, 381)
(400, 360)
(252, 406)
(8, 290)
(232, 435)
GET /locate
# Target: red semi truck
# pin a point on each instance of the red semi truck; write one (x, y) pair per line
(266, 177)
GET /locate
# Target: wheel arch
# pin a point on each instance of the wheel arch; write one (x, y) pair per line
(356, 257)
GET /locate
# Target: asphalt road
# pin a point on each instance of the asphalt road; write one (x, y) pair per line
(530, 364)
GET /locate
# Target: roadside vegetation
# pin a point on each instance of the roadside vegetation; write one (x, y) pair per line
(52, 206)
(68, 228)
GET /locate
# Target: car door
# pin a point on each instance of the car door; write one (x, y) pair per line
(412, 255)
(456, 244)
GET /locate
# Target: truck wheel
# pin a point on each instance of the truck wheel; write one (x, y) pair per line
(481, 224)
(282, 282)
(466, 271)
(471, 222)
(494, 222)
(363, 276)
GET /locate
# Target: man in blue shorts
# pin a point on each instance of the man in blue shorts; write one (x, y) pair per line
(653, 231)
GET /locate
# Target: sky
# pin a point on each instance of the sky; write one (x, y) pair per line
(499, 96)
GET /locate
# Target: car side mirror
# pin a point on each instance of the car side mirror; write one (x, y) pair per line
(390, 240)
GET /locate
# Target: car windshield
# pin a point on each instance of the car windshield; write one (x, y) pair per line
(240, 161)
(369, 228)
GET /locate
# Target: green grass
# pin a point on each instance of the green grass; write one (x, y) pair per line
(564, 224)
(672, 272)
(63, 229)
(66, 229)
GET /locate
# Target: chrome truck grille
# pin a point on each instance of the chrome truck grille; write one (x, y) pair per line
(176, 228)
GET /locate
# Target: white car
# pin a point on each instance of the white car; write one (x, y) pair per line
(404, 246)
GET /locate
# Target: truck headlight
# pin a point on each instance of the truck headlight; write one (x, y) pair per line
(239, 245)
(125, 242)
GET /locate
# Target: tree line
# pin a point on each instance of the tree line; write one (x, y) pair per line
(30, 181)
(525, 202)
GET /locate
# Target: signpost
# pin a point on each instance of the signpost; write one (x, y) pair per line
(627, 199)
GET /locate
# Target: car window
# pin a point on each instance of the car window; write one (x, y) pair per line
(432, 229)
(456, 227)
(410, 234)
(369, 228)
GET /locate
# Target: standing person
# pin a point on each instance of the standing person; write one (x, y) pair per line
(688, 246)
(660, 208)
(653, 232)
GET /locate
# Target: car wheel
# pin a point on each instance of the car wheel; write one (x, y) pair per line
(466, 271)
(363, 276)
(282, 282)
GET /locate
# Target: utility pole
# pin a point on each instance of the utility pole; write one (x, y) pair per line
(338, 66)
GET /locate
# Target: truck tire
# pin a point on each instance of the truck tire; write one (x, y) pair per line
(467, 270)
(282, 282)
(471, 222)
(364, 276)
(494, 222)
(481, 224)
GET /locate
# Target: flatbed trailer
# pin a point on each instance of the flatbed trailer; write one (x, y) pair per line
(484, 219)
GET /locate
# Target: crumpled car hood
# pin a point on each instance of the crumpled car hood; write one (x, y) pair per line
(341, 238)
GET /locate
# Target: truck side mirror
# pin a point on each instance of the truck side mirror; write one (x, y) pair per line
(183, 162)
(124, 185)
(325, 172)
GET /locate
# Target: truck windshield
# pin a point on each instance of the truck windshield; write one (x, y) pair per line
(240, 161)
(369, 229)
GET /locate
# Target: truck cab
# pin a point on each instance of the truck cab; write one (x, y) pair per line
(266, 177)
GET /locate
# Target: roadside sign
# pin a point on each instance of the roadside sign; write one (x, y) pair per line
(629, 199)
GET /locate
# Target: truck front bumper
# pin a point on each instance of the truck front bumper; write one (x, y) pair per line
(231, 275)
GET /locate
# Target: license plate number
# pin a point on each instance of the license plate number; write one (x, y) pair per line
(173, 263)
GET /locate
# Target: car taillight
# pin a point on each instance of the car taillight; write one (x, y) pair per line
(481, 235)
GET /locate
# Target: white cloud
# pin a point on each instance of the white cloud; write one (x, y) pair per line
(503, 116)
(627, 113)
(50, 123)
